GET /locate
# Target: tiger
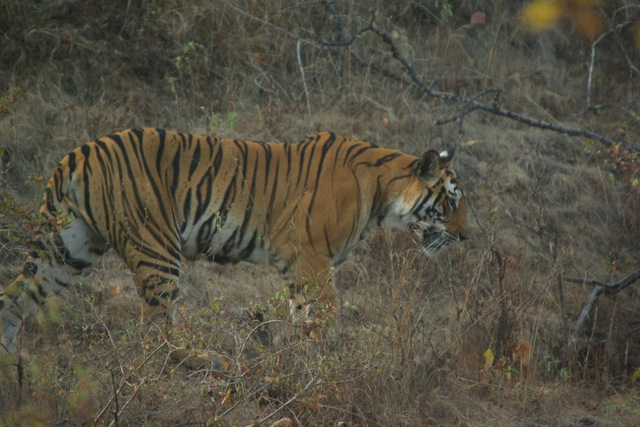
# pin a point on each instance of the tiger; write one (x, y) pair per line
(160, 197)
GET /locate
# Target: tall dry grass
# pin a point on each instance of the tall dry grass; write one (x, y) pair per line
(411, 349)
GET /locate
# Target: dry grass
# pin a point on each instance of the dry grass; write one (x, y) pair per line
(543, 205)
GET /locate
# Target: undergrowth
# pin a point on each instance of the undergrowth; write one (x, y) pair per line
(481, 335)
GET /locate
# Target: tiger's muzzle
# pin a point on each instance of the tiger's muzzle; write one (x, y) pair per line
(434, 239)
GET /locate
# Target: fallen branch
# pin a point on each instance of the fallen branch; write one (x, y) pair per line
(600, 288)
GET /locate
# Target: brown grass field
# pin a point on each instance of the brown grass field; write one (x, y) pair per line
(482, 335)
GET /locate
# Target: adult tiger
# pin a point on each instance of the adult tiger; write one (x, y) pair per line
(158, 197)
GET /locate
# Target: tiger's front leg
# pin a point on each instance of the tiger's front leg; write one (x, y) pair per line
(158, 303)
(157, 297)
(310, 287)
(158, 290)
(308, 274)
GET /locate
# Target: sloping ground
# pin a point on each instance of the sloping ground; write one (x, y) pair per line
(424, 341)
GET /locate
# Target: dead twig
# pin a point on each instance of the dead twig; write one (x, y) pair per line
(125, 382)
(304, 79)
(116, 410)
(599, 288)
(592, 63)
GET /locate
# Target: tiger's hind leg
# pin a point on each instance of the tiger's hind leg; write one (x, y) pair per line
(47, 271)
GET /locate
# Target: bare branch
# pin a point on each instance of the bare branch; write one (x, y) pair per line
(475, 104)
(304, 79)
(608, 289)
(592, 62)
(470, 104)
(467, 108)
(125, 381)
(600, 288)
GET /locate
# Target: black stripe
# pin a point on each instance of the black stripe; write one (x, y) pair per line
(347, 154)
(325, 149)
(174, 271)
(309, 166)
(287, 149)
(386, 159)
(217, 160)
(327, 241)
(417, 206)
(186, 209)
(360, 151)
(71, 165)
(160, 146)
(249, 208)
(267, 167)
(274, 191)
(195, 160)
(87, 176)
(230, 244)
(85, 150)
(248, 250)
(396, 178)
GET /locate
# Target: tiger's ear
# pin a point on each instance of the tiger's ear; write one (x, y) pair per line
(446, 156)
(429, 166)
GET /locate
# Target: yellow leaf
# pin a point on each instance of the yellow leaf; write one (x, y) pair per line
(541, 14)
(472, 142)
(636, 375)
(488, 359)
(225, 397)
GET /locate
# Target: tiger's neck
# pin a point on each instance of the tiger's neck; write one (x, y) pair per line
(394, 196)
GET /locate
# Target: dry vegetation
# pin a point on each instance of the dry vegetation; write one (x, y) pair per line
(415, 351)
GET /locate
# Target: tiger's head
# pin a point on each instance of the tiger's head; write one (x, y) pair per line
(435, 205)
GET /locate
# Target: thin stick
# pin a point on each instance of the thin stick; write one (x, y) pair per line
(123, 382)
(136, 389)
(115, 395)
(304, 80)
(592, 62)
(609, 289)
